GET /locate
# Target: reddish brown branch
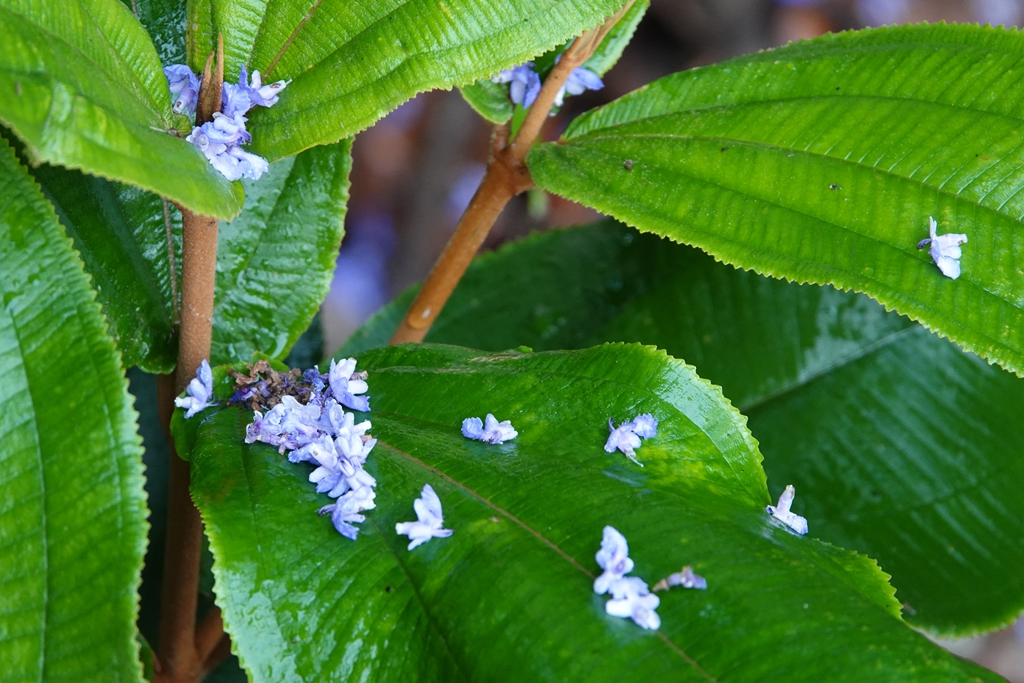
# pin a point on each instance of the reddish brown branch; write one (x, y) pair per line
(506, 176)
(183, 652)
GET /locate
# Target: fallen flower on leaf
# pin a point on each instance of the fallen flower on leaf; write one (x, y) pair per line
(428, 520)
(945, 249)
(626, 437)
(685, 578)
(490, 431)
(613, 558)
(781, 511)
(631, 598)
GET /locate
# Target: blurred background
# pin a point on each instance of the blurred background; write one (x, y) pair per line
(416, 170)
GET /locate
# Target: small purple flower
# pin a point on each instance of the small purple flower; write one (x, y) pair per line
(491, 431)
(346, 383)
(234, 100)
(336, 422)
(613, 558)
(631, 598)
(184, 86)
(626, 437)
(259, 94)
(428, 520)
(945, 249)
(685, 578)
(781, 511)
(525, 83)
(199, 391)
(580, 80)
(645, 426)
(346, 510)
(623, 438)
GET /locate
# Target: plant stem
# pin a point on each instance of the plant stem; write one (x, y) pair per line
(182, 652)
(506, 176)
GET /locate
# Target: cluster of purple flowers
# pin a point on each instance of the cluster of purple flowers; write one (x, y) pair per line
(323, 434)
(524, 83)
(630, 595)
(221, 139)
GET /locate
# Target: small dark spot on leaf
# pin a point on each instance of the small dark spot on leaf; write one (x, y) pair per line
(724, 148)
(833, 186)
(387, 589)
(837, 87)
(628, 164)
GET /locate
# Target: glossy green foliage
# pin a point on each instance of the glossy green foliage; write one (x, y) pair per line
(120, 233)
(491, 101)
(900, 445)
(72, 513)
(822, 161)
(83, 87)
(275, 261)
(164, 21)
(511, 589)
(351, 63)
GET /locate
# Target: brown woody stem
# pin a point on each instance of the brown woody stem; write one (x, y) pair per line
(182, 651)
(506, 177)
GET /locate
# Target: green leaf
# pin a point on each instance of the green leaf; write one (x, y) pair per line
(511, 590)
(164, 21)
(822, 161)
(275, 261)
(73, 512)
(350, 64)
(83, 87)
(491, 101)
(121, 235)
(900, 446)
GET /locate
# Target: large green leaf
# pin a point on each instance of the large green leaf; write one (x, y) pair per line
(822, 161)
(121, 234)
(491, 101)
(83, 87)
(351, 63)
(901, 446)
(275, 261)
(72, 507)
(509, 595)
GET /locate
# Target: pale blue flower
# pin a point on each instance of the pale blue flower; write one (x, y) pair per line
(945, 249)
(490, 431)
(184, 86)
(219, 140)
(613, 558)
(259, 94)
(525, 83)
(626, 437)
(685, 578)
(428, 520)
(199, 391)
(623, 438)
(645, 426)
(580, 80)
(346, 510)
(782, 512)
(346, 384)
(631, 598)
(336, 422)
